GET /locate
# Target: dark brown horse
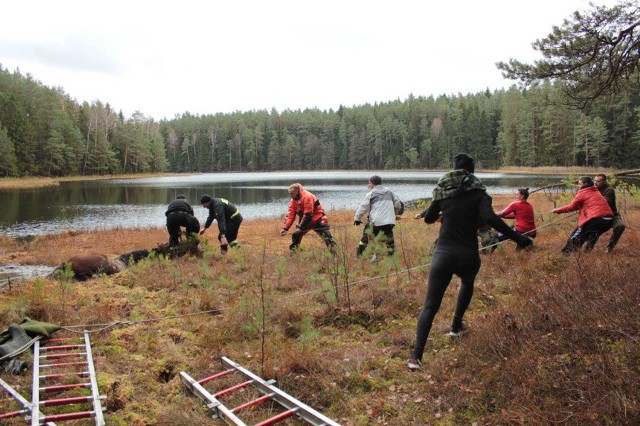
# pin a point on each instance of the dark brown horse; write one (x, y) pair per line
(86, 265)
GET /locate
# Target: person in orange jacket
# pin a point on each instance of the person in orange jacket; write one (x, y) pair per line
(310, 213)
(595, 217)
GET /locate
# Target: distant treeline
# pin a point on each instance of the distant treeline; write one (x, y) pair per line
(44, 132)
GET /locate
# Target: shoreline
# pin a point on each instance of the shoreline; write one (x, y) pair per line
(40, 181)
(52, 249)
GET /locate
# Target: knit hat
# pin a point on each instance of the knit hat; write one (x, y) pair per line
(463, 161)
(205, 198)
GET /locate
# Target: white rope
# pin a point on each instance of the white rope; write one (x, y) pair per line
(106, 326)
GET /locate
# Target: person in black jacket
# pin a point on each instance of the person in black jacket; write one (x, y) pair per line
(609, 194)
(180, 214)
(228, 217)
(461, 200)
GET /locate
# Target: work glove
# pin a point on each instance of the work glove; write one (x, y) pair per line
(14, 366)
(283, 232)
(523, 241)
(357, 222)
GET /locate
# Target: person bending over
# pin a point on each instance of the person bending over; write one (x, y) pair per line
(228, 217)
(180, 214)
(311, 217)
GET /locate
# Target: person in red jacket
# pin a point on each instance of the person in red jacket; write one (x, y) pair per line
(594, 219)
(520, 210)
(310, 213)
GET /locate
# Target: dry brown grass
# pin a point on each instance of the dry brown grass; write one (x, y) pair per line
(38, 182)
(55, 249)
(554, 339)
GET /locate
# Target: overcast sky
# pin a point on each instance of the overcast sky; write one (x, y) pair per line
(165, 58)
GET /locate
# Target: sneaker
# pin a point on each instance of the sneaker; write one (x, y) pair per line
(463, 329)
(414, 364)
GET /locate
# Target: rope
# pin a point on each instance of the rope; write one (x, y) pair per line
(535, 229)
(113, 324)
(107, 326)
(21, 348)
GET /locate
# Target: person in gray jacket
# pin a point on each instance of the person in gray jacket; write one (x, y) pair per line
(382, 205)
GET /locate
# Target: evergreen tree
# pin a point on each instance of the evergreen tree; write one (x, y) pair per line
(594, 54)
(8, 160)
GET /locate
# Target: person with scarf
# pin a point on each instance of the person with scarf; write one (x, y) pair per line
(461, 202)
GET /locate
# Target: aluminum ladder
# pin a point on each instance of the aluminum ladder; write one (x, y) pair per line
(26, 405)
(288, 405)
(73, 356)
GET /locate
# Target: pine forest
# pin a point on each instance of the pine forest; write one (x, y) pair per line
(44, 132)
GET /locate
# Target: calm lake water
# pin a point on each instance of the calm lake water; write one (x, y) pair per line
(133, 203)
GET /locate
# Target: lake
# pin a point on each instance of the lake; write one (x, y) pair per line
(141, 203)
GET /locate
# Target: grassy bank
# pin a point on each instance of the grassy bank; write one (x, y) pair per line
(553, 339)
(39, 182)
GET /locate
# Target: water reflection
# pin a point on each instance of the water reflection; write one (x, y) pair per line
(133, 203)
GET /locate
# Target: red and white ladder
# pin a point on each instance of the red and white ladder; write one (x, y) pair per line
(288, 405)
(26, 405)
(61, 361)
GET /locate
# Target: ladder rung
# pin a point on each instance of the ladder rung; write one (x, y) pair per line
(68, 416)
(289, 404)
(215, 376)
(56, 351)
(56, 388)
(60, 375)
(13, 414)
(65, 401)
(233, 388)
(63, 364)
(58, 339)
(256, 401)
(60, 347)
(277, 418)
(67, 355)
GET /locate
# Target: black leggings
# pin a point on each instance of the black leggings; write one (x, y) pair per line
(443, 266)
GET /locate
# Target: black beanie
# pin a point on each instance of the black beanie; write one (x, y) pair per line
(205, 198)
(463, 161)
